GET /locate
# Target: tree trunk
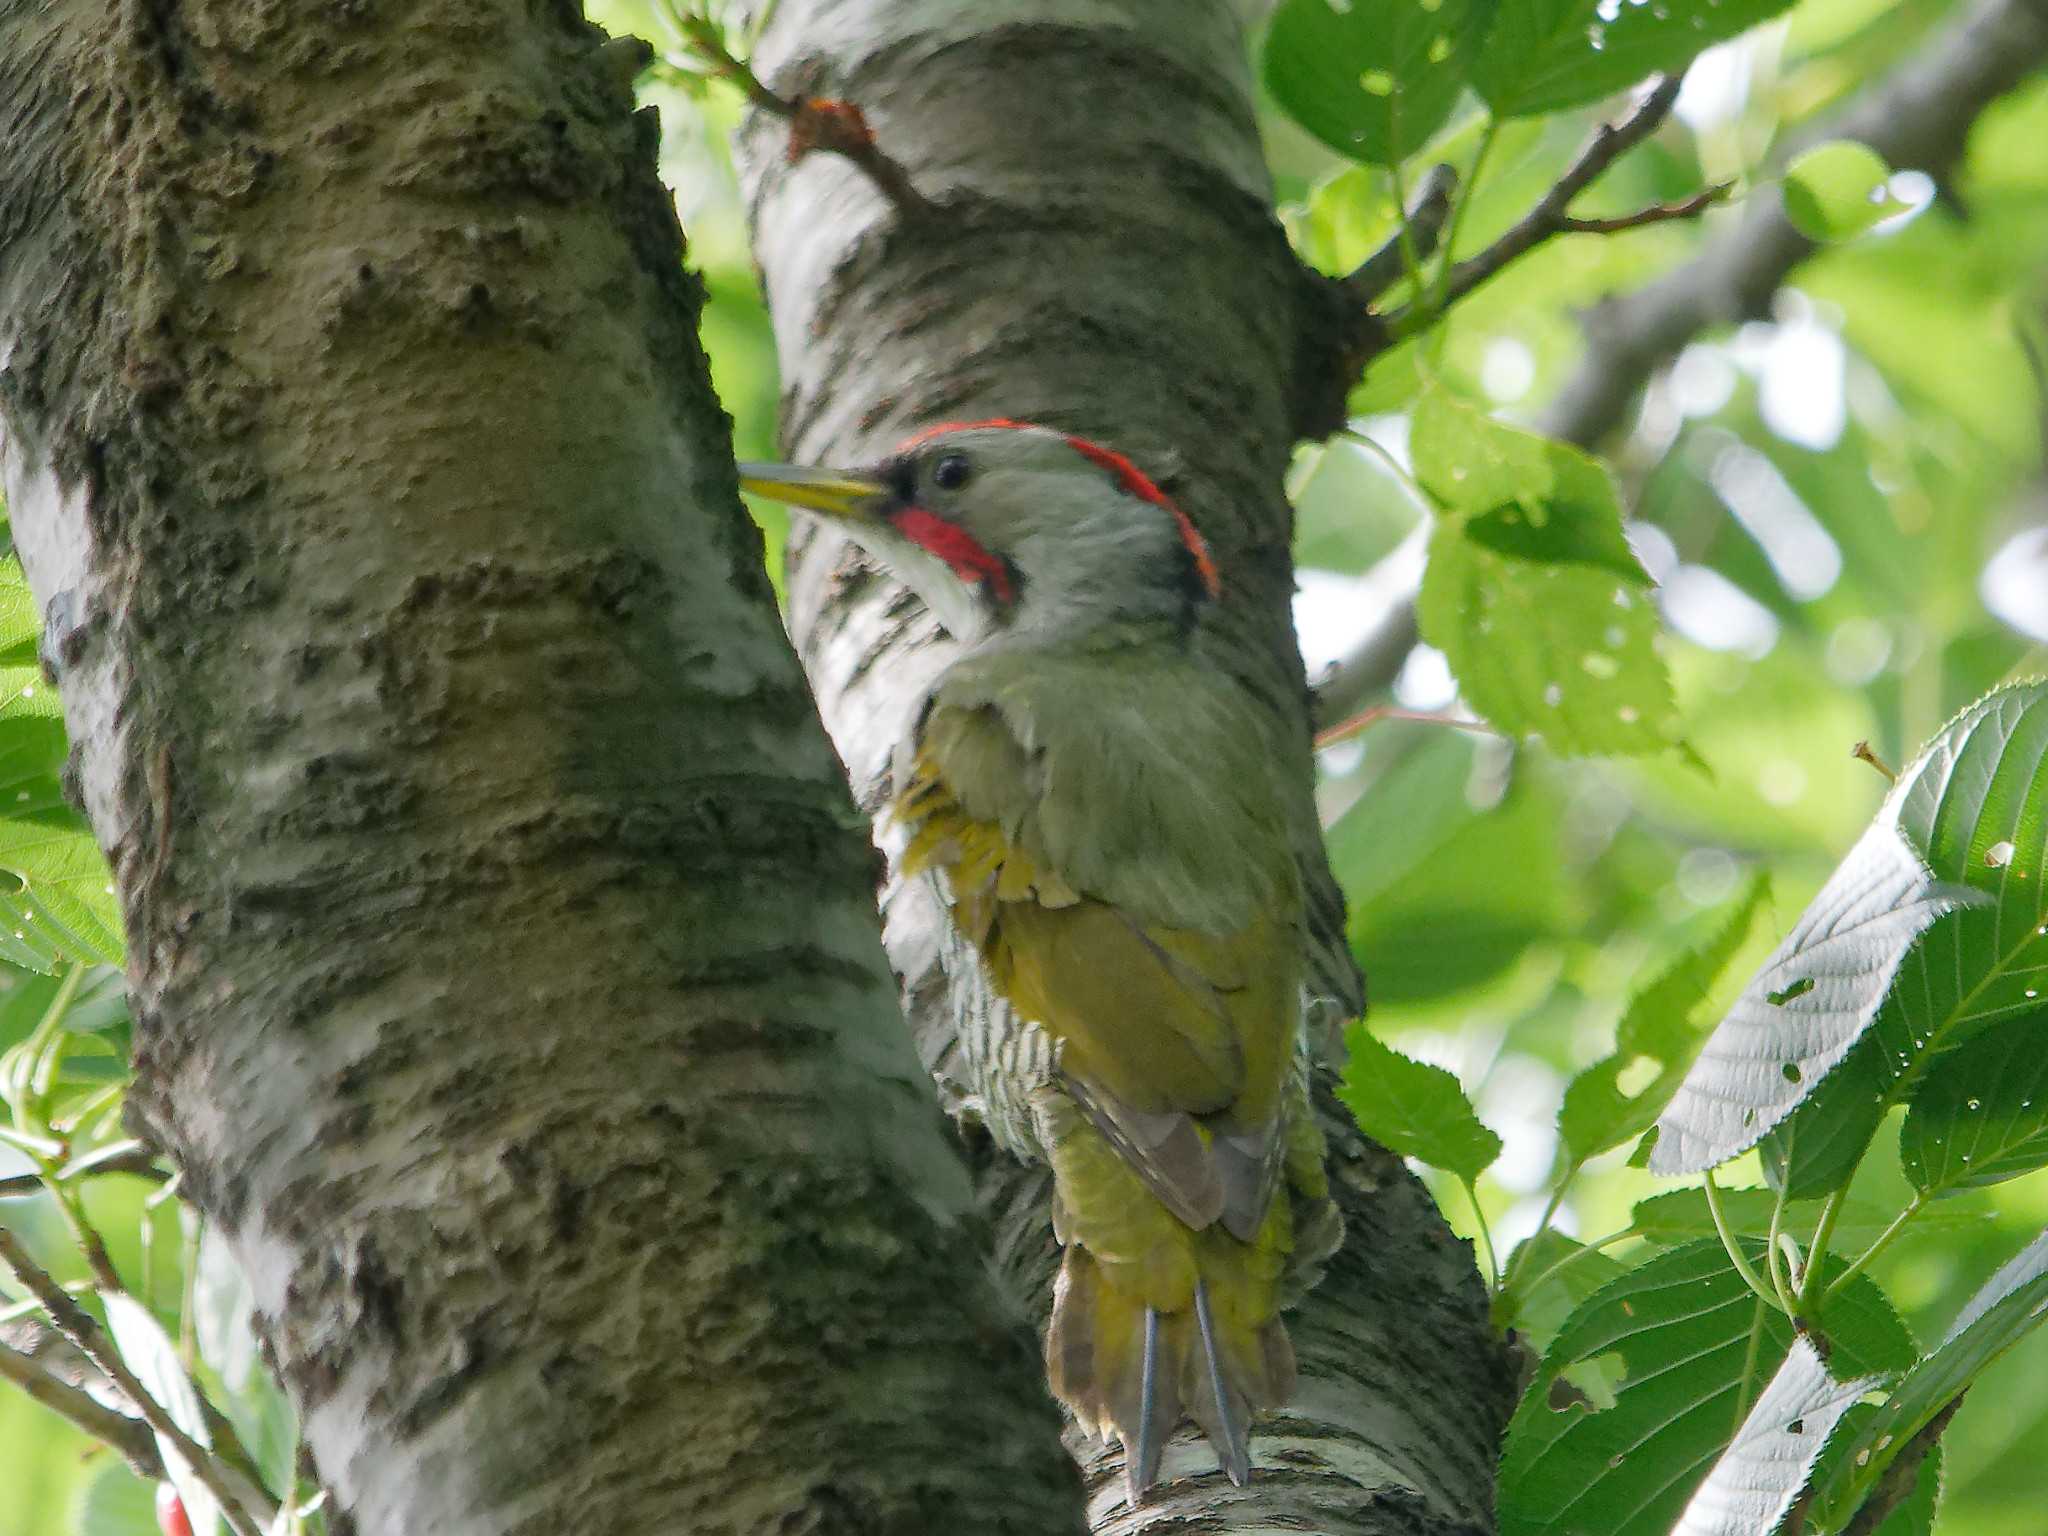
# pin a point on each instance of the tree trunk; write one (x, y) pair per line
(1102, 257)
(501, 938)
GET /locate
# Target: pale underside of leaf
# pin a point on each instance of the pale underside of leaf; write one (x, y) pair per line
(1756, 1479)
(1809, 1004)
(2011, 1304)
(148, 1351)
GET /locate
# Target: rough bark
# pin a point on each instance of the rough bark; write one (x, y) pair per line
(501, 939)
(1102, 257)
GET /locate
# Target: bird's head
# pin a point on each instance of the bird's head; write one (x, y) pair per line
(1001, 526)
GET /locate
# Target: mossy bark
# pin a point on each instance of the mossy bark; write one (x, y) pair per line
(502, 945)
(1101, 255)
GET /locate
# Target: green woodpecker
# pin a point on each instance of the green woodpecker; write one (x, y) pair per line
(1102, 816)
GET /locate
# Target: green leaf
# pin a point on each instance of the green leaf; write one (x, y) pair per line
(1415, 1109)
(1373, 80)
(1914, 1515)
(1835, 191)
(1961, 838)
(1403, 818)
(114, 1503)
(1696, 1346)
(2010, 1305)
(1981, 1115)
(1682, 1216)
(1755, 1480)
(1658, 1034)
(1432, 930)
(1817, 1148)
(1543, 55)
(1565, 652)
(19, 628)
(58, 905)
(1351, 508)
(1546, 1290)
(1521, 494)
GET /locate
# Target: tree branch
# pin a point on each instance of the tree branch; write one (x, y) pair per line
(129, 1437)
(1549, 216)
(78, 1325)
(1899, 1478)
(141, 1162)
(815, 122)
(1372, 664)
(1918, 117)
(1422, 227)
(1656, 213)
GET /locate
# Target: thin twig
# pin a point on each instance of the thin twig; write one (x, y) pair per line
(78, 1325)
(129, 1437)
(1863, 752)
(1656, 213)
(1897, 1481)
(1549, 216)
(140, 1162)
(1424, 225)
(237, 1466)
(815, 122)
(1364, 721)
(1917, 116)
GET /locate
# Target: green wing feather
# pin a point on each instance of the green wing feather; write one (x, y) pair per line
(1155, 937)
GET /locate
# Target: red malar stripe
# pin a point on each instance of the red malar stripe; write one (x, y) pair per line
(1129, 478)
(953, 544)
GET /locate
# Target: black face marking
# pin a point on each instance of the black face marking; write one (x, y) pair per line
(900, 475)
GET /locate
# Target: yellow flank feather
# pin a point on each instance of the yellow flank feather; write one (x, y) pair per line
(1183, 1156)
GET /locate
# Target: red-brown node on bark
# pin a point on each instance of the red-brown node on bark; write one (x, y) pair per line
(822, 122)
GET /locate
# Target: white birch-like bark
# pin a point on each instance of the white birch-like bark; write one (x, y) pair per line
(1103, 257)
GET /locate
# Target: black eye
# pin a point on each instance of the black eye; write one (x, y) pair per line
(952, 471)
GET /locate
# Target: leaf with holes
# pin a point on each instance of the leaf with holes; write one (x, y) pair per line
(2011, 1305)
(1415, 1109)
(1931, 930)
(1552, 1275)
(1818, 1146)
(1543, 55)
(1755, 1480)
(1370, 79)
(1520, 493)
(1657, 1037)
(1696, 1347)
(1565, 652)
(59, 908)
(1981, 1114)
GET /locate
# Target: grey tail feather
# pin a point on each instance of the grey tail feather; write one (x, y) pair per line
(1235, 1452)
(1141, 1457)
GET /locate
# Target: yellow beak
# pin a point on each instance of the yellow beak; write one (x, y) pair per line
(845, 494)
